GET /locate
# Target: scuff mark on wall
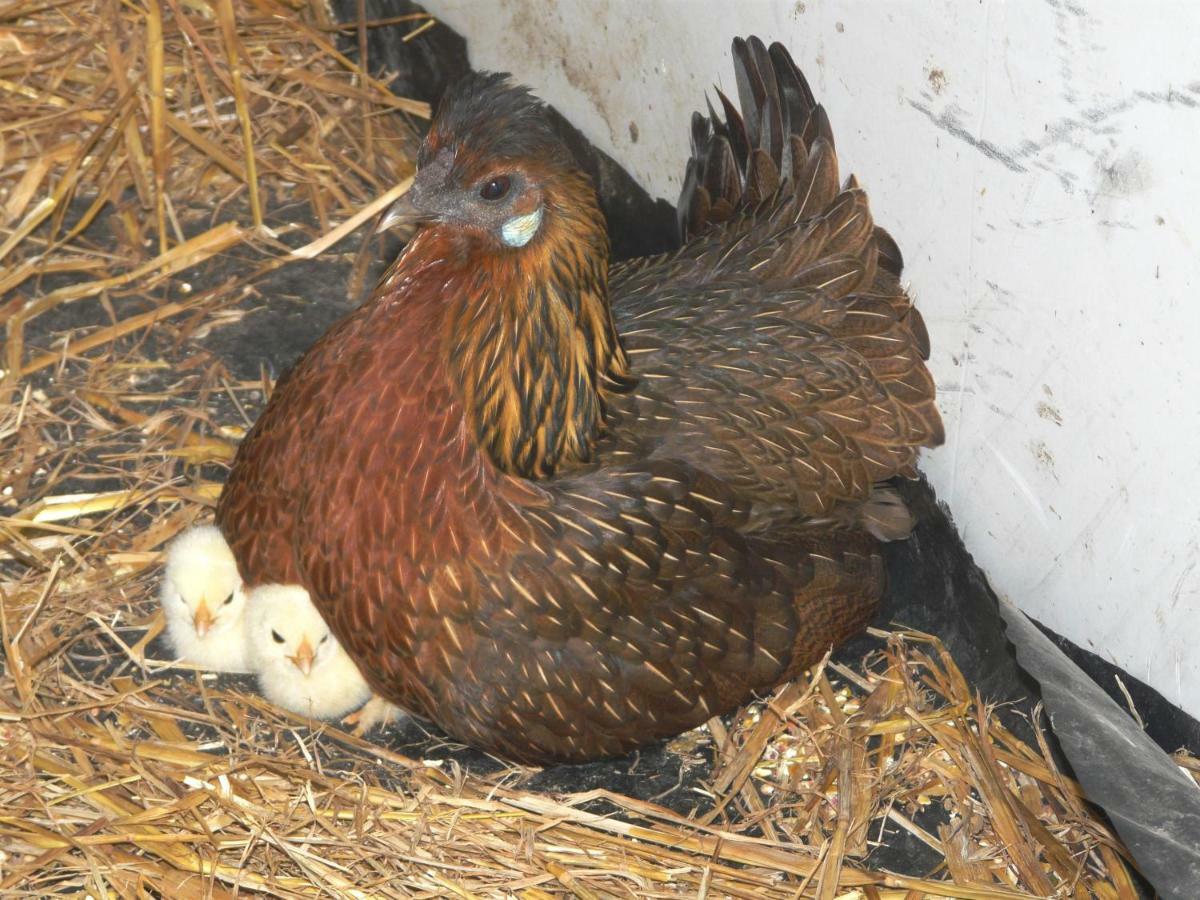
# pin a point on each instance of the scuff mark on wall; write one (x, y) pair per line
(1049, 413)
(937, 80)
(1127, 174)
(1024, 488)
(1184, 586)
(1066, 15)
(1077, 132)
(949, 121)
(1043, 457)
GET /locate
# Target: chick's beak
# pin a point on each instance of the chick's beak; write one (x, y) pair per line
(202, 618)
(303, 660)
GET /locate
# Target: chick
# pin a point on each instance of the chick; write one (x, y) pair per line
(299, 663)
(203, 601)
(376, 711)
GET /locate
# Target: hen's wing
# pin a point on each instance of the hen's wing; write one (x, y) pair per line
(778, 341)
(628, 606)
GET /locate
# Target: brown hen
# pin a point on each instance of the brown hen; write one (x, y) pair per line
(561, 528)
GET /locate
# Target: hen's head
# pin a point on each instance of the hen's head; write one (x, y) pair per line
(515, 226)
(491, 165)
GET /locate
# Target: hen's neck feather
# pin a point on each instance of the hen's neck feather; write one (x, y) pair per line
(439, 489)
(531, 341)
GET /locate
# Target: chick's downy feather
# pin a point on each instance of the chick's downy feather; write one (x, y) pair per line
(203, 602)
(299, 664)
(563, 508)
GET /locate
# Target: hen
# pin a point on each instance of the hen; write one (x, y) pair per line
(561, 508)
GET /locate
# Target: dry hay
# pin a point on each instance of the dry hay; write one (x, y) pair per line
(108, 792)
(169, 121)
(138, 143)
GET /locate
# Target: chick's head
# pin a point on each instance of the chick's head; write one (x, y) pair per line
(285, 630)
(299, 663)
(203, 600)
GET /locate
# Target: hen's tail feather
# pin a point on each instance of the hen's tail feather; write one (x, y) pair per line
(890, 258)
(763, 199)
(767, 170)
(777, 132)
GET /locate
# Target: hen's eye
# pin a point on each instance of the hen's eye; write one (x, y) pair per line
(278, 637)
(496, 188)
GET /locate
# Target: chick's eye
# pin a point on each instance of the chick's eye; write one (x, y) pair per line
(324, 638)
(495, 188)
(277, 636)
(228, 600)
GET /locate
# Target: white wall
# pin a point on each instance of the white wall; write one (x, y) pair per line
(1037, 163)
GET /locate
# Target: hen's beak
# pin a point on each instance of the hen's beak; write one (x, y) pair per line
(421, 202)
(303, 660)
(202, 619)
(403, 211)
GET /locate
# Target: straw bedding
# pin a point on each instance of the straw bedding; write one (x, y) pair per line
(173, 175)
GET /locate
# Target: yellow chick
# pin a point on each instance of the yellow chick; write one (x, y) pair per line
(203, 602)
(299, 663)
